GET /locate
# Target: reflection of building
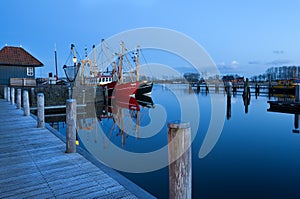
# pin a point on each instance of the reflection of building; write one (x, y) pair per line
(17, 67)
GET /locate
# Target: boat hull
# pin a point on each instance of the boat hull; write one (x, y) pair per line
(145, 88)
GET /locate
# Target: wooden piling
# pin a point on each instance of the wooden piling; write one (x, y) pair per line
(8, 94)
(26, 107)
(297, 93)
(228, 89)
(40, 110)
(216, 88)
(70, 92)
(180, 166)
(19, 98)
(71, 126)
(83, 96)
(5, 93)
(12, 96)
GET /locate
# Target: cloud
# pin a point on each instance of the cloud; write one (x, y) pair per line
(254, 62)
(232, 67)
(279, 62)
(278, 52)
(235, 64)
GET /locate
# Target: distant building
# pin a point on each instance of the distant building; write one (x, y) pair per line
(17, 66)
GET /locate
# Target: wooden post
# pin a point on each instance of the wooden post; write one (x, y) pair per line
(297, 93)
(83, 97)
(229, 88)
(180, 163)
(206, 88)
(198, 86)
(71, 126)
(216, 88)
(12, 96)
(40, 110)
(19, 98)
(70, 92)
(26, 103)
(8, 94)
(5, 93)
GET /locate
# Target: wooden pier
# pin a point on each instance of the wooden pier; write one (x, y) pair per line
(33, 164)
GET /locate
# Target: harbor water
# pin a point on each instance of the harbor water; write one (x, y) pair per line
(255, 156)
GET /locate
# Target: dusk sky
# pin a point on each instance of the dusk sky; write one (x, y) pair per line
(242, 37)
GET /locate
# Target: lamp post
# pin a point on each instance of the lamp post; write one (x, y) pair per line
(71, 73)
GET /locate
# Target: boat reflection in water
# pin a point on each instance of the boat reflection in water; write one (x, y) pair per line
(287, 104)
(120, 118)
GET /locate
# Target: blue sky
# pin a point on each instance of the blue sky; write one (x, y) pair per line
(244, 37)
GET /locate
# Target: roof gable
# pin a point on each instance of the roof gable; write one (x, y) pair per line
(17, 56)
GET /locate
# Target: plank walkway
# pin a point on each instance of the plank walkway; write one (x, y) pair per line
(33, 164)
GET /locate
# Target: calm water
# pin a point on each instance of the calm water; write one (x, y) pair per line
(256, 156)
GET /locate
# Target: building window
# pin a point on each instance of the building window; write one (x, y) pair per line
(30, 71)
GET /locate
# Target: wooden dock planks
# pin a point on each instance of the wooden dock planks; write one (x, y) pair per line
(33, 164)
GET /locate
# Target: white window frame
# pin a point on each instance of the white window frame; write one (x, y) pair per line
(30, 71)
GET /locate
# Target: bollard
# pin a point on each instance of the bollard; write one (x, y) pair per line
(180, 166)
(12, 96)
(8, 94)
(40, 110)
(26, 103)
(19, 98)
(5, 92)
(71, 126)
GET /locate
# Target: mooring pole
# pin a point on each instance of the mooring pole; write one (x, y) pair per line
(12, 96)
(71, 126)
(5, 93)
(180, 163)
(8, 94)
(83, 96)
(297, 93)
(40, 110)
(26, 103)
(19, 98)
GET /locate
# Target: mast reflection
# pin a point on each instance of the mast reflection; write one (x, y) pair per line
(120, 117)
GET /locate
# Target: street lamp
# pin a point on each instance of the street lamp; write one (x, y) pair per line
(71, 73)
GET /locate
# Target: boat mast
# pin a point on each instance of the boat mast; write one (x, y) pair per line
(137, 63)
(95, 63)
(55, 56)
(121, 63)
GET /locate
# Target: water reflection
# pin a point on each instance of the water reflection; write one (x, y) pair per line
(228, 108)
(246, 99)
(286, 104)
(121, 117)
(296, 124)
(234, 154)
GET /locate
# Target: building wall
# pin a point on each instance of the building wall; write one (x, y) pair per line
(7, 72)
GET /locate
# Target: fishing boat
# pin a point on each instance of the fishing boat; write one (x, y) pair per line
(122, 76)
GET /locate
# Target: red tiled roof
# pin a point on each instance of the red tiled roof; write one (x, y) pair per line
(17, 56)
